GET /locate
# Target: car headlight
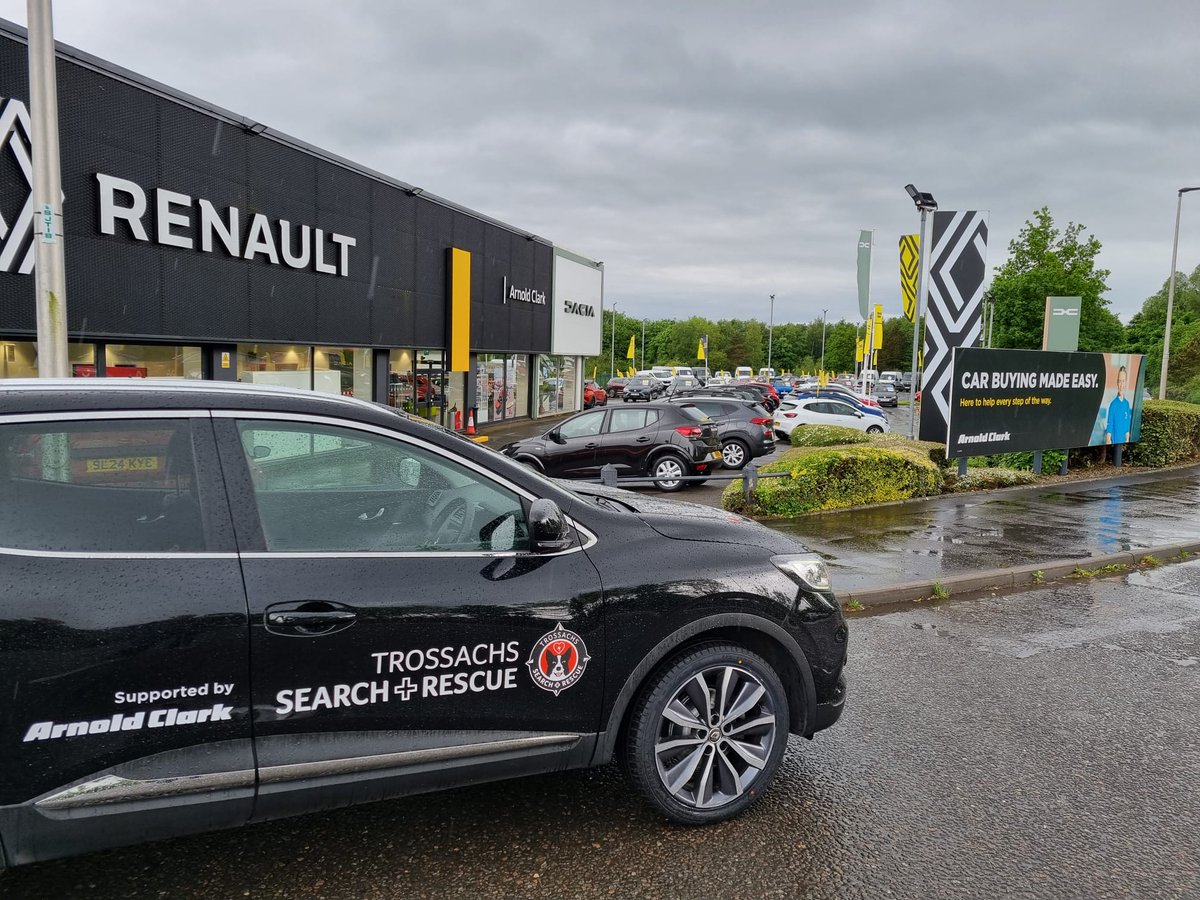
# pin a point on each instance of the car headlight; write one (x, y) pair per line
(808, 571)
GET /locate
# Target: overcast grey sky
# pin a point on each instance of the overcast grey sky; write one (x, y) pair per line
(714, 153)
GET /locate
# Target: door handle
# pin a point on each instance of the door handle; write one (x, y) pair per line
(308, 618)
(331, 617)
(643, 440)
(591, 446)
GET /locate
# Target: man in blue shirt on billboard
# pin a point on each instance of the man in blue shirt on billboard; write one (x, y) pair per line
(1120, 413)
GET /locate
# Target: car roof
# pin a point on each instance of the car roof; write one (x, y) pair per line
(28, 395)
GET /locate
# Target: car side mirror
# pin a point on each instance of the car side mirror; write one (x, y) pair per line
(548, 529)
(554, 435)
(860, 413)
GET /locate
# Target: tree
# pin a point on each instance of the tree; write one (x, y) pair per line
(1046, 262)
(1144, 334)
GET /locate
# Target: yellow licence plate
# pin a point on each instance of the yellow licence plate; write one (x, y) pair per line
(123, 464)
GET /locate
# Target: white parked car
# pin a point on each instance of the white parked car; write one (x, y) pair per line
(823, 411)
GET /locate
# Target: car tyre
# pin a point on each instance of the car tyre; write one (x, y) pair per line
(735, 453)
(668, 470)
(874, 429)
(706, 734)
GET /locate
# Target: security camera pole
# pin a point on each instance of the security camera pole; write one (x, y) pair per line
(925, 203)
(49, 272)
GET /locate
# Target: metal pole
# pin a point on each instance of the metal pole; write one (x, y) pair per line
(824, 316)
(49, 273)
(771, 331)
(612, 360)
(643, 343)
(1162, 379)
(912, 396)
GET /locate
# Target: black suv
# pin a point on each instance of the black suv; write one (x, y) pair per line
(744, 428)
(665, 441)
(226, 604)
(642, 387)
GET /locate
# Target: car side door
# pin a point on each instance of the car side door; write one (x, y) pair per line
(125, 663)
(571, 453)
(440, 651)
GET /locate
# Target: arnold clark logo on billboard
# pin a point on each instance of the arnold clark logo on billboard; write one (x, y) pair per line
(1012, 400)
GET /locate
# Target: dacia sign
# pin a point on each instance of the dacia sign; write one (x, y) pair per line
(578, 305)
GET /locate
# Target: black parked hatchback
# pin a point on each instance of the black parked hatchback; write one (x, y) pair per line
(665, 441)
(226, 604)
(743, 427)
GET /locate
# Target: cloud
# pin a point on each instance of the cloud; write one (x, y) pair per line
(713, 153)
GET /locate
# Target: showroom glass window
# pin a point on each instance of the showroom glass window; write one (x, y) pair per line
(342, 370)
(419, 384)
(285, 365)
(162, 361)
(374, 494)
(502, 385)
(99, 486)
(557, 385)
(18, 359)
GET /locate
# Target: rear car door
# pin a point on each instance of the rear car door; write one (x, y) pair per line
(124, 633)
(422, 647)
(627, 439)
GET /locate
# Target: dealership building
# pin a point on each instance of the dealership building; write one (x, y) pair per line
(201, 244)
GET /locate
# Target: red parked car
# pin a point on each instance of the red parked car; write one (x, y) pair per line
(593, 395)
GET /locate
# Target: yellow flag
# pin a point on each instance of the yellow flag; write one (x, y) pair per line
(700, 349)
(910, 255)
(878, 326)
(858, 350)
(629, 355)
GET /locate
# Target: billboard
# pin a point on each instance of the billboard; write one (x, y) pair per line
(1003, 401)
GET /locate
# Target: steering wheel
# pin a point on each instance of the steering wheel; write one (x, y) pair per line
(452, 524)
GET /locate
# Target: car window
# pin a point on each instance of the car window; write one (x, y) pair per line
(582, 426)
(627, 419)
(100, 486)
(710, 407)
(690, 410)
(350, 490)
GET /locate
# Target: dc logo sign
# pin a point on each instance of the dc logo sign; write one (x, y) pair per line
(16, 238)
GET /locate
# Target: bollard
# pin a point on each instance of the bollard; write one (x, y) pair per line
(1037, 462)
(608, 475)
(1117, 448)
(749, 481)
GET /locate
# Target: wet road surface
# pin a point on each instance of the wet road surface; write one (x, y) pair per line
(1038, 745)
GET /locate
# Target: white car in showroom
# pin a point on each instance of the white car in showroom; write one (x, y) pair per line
(793, 413)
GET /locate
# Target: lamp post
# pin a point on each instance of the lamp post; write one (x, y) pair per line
(643, 344)
(771, 331)
(612, 350)
(824, 316)
(1162, 378)
(925, 203)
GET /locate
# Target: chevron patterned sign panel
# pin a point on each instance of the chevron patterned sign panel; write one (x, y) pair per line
(954, 308)
(909, 259)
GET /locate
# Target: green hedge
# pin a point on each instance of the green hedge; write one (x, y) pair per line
(1170, 433)
(984, 478)
(827, 436)
(823, 478)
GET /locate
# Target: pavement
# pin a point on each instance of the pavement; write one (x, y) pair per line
(986, 541)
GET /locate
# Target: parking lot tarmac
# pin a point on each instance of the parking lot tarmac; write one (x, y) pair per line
(1037, 745)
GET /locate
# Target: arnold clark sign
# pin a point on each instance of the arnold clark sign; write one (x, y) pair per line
(1012, 400)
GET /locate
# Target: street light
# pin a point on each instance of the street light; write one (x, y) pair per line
(643, 344)
(771, 331)
(1162, 379)
(824, 315)
(925, 203)
(612, 359)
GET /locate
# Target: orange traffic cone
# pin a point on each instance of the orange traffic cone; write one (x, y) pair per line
(471, 422)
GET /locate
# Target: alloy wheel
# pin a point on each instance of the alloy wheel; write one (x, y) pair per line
(715, 737)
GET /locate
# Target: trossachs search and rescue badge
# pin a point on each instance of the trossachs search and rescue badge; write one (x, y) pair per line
(557, 661)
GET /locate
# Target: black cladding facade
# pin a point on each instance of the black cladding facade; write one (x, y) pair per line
(394, 292)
